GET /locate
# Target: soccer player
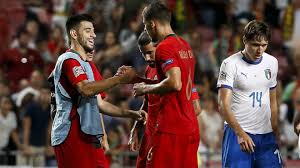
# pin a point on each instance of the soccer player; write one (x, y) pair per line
(247, 99)
(174, 143)
(151, 103)
(77, 130)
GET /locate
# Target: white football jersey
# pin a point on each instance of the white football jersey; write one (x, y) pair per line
(250, 83)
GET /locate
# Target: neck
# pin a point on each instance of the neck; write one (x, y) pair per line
(164, 31)
(78, 48)
(247, 55)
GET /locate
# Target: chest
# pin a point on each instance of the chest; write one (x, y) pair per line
(253, 77)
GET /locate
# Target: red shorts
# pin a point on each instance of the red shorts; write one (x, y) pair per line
(143, 152)
(170, 150)
(77, 151)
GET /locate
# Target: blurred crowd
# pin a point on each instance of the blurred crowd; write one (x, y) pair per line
(32, 36)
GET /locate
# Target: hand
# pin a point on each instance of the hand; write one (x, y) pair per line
(297, 129)
(139, 89)
(104, 143)
(246, 143)
(127, 74)
(133, 142)
(140, 115)
(277, 137)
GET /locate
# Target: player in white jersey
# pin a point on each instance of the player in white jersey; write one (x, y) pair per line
(247, 99)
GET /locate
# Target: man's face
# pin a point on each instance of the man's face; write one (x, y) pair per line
(150, 28)
(148, 52)
(86, 36)
(255, 48)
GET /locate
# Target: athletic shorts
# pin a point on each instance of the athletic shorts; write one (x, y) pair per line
(266, 152)
(171, 150)
(143, 151)
(77, 151)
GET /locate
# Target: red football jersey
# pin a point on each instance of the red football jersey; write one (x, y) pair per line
(153, 102)
(72, 73)
(176, 113)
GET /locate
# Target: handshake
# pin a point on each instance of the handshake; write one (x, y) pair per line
(127, 75)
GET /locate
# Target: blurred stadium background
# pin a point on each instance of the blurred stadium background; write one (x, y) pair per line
(32, 37)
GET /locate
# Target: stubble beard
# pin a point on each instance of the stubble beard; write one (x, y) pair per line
(84, 45)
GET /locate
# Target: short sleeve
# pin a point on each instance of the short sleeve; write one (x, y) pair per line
(274, 72)
(166, 58)
(74, 71)
(226, 75)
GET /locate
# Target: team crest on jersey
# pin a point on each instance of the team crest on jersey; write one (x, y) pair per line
(77, 70)
(155, 77)
(268, 74)
(222, 75)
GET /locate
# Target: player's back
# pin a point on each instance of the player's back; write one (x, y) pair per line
(177, 114)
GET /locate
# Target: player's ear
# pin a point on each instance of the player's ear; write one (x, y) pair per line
(152, 24)
(244, 40)
(73, 33)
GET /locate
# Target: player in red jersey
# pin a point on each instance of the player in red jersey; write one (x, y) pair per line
(151, 104)
(73, 147)
(174, 143)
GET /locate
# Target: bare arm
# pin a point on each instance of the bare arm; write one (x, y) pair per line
(112, 110)
(87, 88)
(197, 107)
(202, 129)
(170, 84)
(15, 138)
(274, 110)
(26, 127)
(244, 139)
(139, 79)
(224, 106)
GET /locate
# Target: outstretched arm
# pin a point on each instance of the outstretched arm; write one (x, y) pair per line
(112, 110)
(171, 83)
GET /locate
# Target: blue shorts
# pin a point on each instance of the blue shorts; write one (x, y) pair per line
(266, 152)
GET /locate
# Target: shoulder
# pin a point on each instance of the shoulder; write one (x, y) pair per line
(270, 59)
(232, 59)
(66, 55)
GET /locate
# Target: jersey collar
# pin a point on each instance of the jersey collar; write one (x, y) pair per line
(75, 52)
(250, 61)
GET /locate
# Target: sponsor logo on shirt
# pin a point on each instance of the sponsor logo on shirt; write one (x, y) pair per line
(168, 62)
(78, 70)
(194, 90)
(268, 74)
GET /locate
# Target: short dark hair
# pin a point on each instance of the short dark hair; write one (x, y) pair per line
(75, 20)
(144, 39)
(157, 10)
(256, 30)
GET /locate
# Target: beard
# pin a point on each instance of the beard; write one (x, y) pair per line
(151, 64)
(84, 45)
